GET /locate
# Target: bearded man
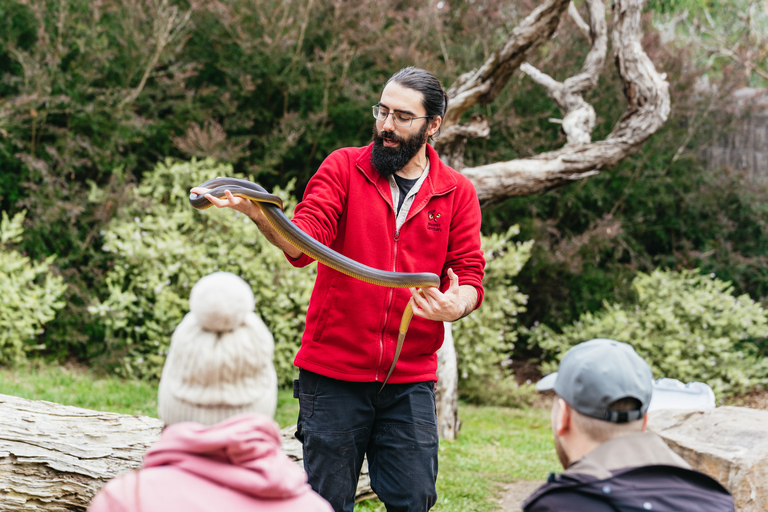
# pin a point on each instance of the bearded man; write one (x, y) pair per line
(392, 205)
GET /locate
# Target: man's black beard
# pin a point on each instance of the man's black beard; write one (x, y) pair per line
(387, 161)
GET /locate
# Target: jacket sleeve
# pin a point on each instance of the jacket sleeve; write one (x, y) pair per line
(107, 500)
(324, 200)
(465, 255)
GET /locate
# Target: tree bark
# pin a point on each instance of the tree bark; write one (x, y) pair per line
(447, 391)
(579, 116)
(648, 106)
(482, 86)
(55, 457)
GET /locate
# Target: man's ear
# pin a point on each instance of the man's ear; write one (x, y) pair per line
(434, 125)
(645, 421)
(563, 418)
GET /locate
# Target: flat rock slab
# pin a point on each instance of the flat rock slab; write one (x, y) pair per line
(728, 443)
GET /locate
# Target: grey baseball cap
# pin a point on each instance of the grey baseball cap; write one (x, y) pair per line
(596, 373)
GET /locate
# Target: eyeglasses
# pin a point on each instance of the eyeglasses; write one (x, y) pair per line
(400, 119)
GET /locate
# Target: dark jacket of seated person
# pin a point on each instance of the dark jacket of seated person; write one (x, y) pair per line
(599, 416)
(636, 472)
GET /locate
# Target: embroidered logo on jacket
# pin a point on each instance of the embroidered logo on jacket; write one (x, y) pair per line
(433, 224)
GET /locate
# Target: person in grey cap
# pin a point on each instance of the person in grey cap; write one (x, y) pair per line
(603, 390)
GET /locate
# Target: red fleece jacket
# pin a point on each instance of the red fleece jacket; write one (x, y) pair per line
(352, 326)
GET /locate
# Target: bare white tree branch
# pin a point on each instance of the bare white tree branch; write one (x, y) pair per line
(648, 105)
(573, 12)
(482, 86)
(579, 116)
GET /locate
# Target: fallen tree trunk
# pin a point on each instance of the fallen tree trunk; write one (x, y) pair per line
(55, 457)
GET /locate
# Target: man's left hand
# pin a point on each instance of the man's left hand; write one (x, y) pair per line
(457, 302)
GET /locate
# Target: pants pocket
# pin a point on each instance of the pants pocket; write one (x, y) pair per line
(306, 405)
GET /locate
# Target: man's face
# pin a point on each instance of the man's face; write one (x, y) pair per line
(394, 146)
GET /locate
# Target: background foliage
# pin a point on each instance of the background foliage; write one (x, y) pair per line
(485, 339)
(161, 247)
(30, 297)
(94, 94)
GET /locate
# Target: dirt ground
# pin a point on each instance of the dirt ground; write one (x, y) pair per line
(514, 494)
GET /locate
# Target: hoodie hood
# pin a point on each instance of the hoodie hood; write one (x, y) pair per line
(242, 453)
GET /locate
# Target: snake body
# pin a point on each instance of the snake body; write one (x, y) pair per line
(272, 206)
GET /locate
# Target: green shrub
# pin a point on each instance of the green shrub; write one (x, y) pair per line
(686, 325)
(30, 294)
(485, 338)
(162, 246)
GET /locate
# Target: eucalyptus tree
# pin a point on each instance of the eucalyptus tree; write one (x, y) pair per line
(647, 108)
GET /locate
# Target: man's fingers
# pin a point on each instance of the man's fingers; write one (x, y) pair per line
(416, 309)
(424, 299)
(218, 203)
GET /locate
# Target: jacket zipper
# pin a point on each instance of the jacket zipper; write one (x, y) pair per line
(387, 310)
(411, 214)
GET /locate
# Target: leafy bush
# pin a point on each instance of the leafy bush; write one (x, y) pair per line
(30, 294)
(485, 338)
(162, 246)
(686, 325)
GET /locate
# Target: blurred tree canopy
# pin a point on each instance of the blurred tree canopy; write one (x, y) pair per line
(94, 94)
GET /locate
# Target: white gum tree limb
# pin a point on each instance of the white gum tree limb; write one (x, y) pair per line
(573, 12)
(579, 116)
(648, 106)
(482, 86)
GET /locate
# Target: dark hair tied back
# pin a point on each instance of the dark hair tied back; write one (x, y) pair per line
(435, 98)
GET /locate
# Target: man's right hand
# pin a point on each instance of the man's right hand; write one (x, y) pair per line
(250, 209)
(240, 204)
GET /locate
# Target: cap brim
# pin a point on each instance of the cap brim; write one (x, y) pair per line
(547, 382)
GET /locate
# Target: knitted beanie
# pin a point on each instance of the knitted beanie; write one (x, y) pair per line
(220, 360)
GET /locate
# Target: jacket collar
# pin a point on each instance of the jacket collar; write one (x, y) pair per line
(440, 180)
(632, 450)
(613, 457)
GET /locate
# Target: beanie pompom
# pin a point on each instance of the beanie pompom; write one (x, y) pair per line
(221, 301)
(219, 363)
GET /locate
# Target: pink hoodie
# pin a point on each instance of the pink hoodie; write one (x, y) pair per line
(235, 465)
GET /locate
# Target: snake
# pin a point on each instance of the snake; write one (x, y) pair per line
(272, 207)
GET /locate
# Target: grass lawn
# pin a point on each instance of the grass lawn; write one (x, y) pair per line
(495, 445)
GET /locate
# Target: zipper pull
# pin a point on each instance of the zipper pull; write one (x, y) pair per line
(397, 235)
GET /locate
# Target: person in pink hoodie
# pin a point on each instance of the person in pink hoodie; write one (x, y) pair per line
(220, 449)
